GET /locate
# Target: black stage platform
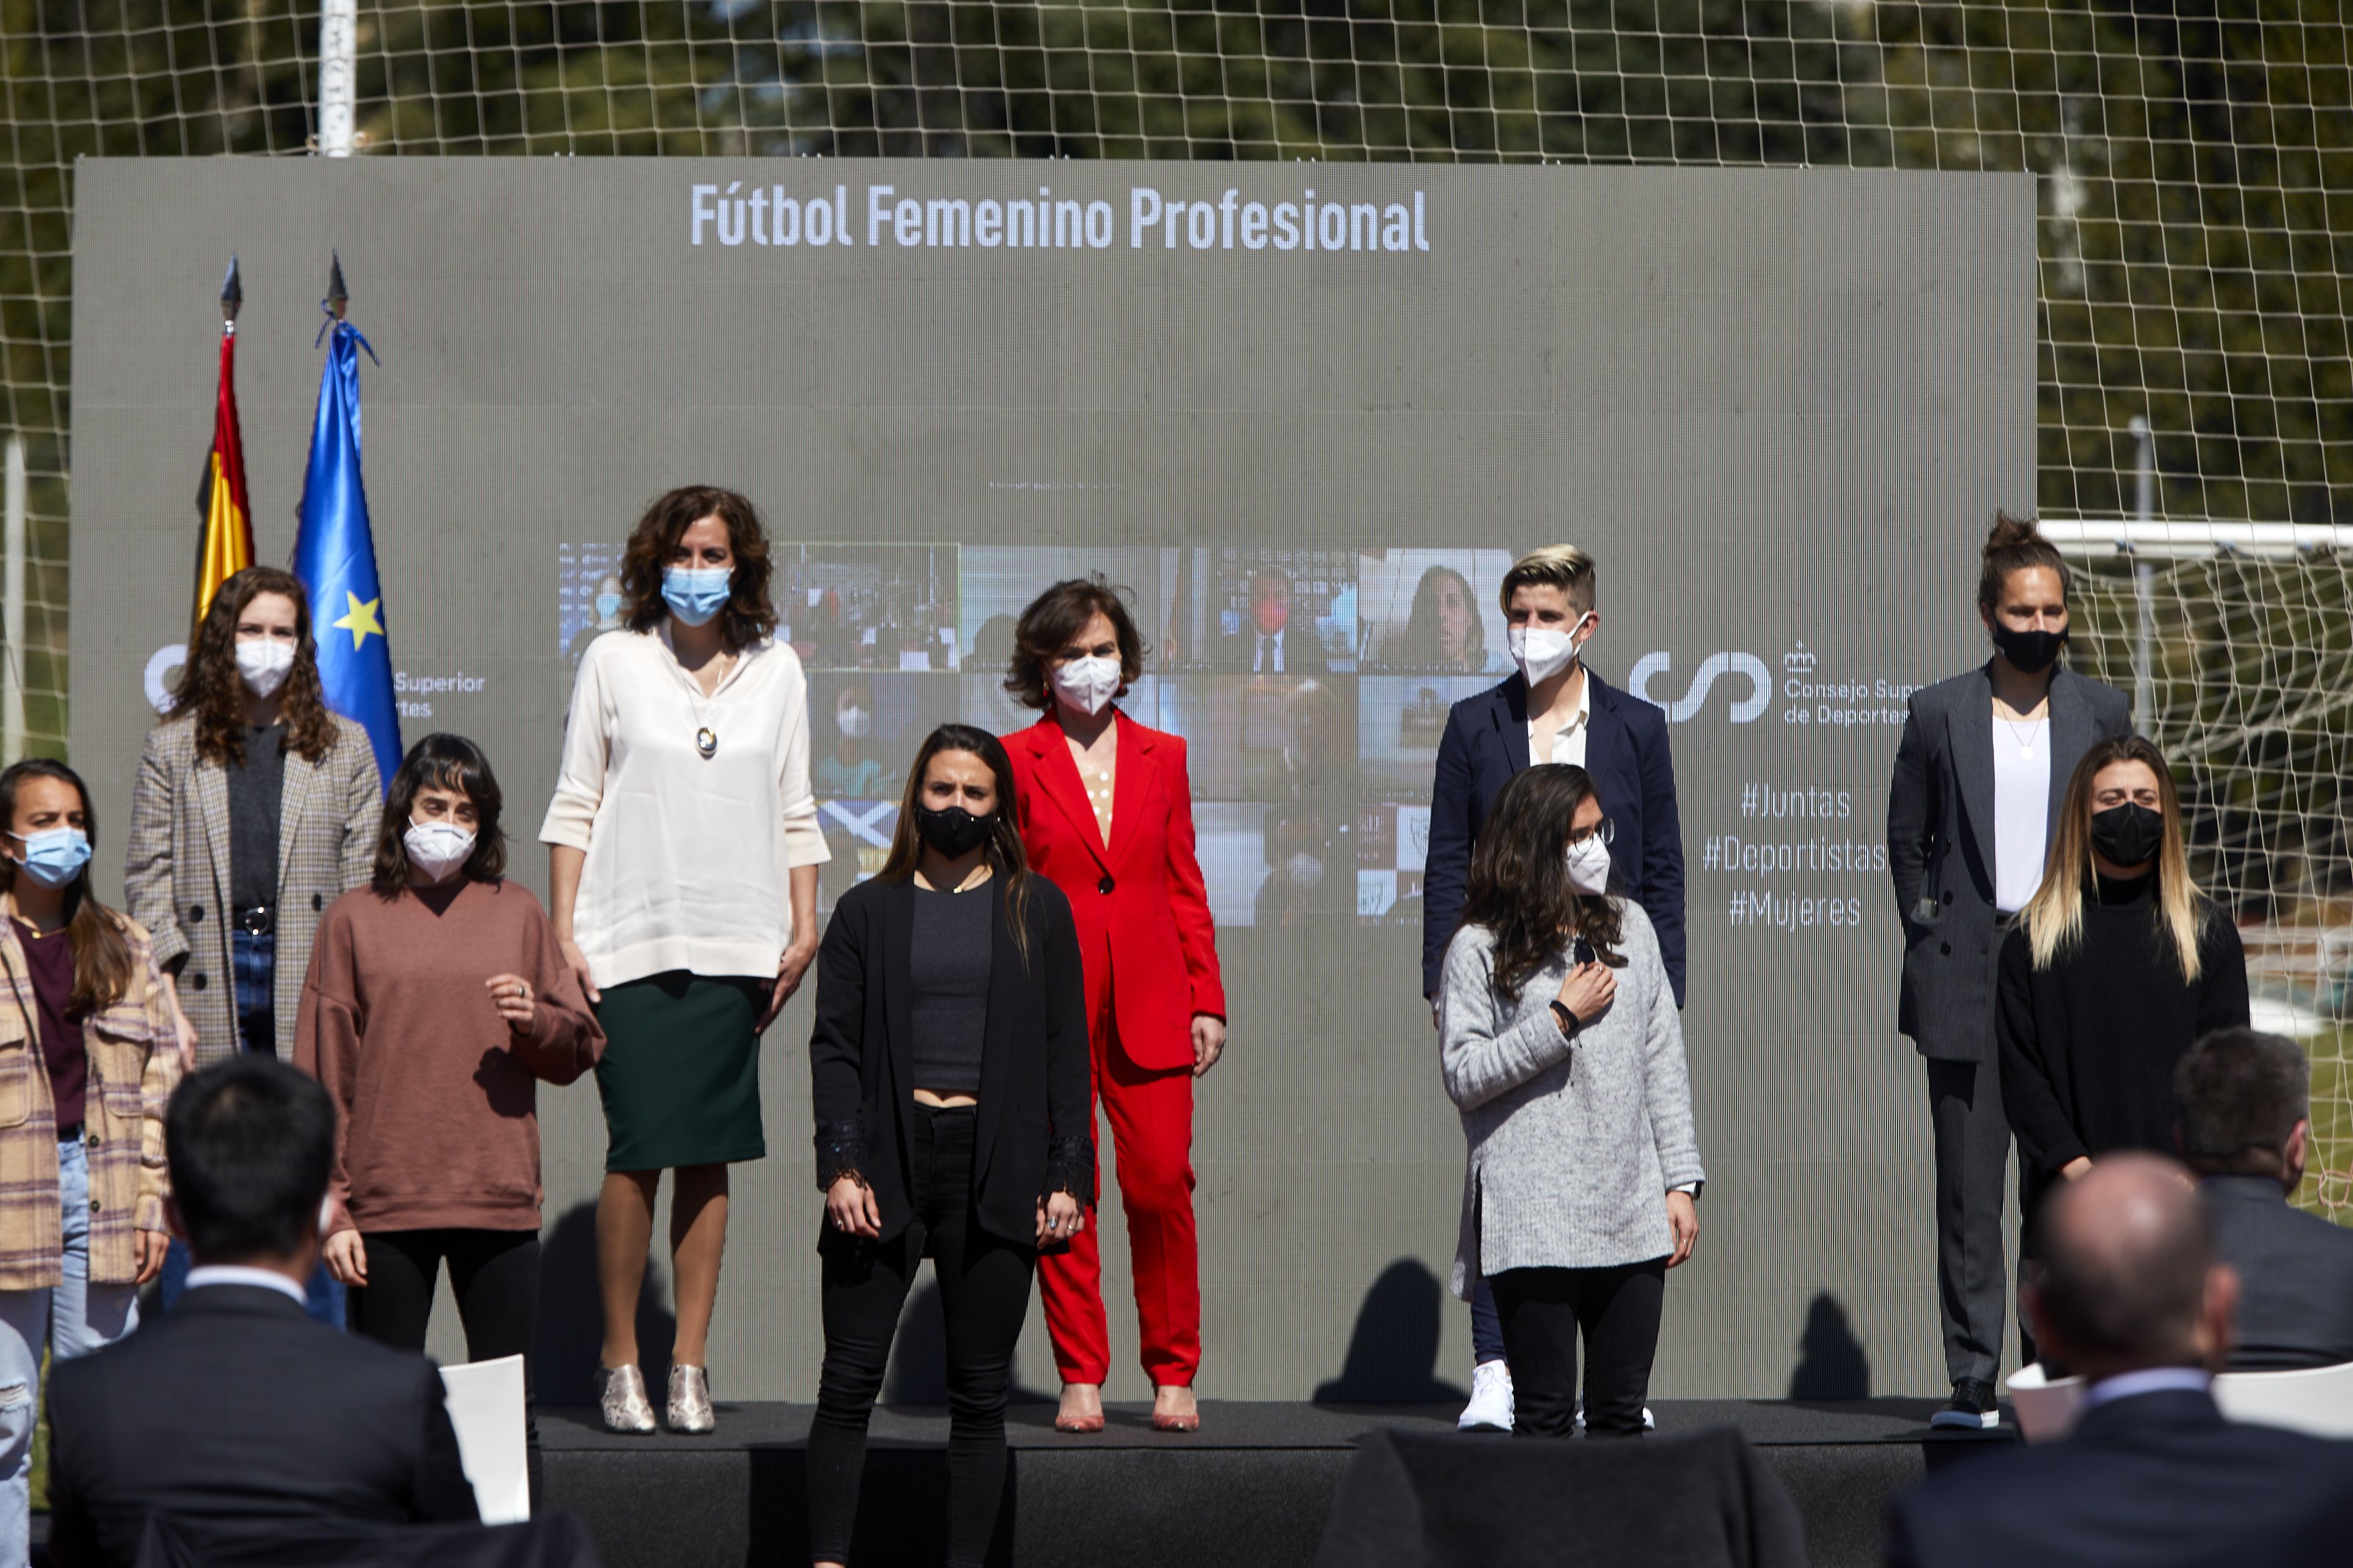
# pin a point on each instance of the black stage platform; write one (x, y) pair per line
(1248, 1491)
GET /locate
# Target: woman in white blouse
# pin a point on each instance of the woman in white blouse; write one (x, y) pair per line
(682, 817)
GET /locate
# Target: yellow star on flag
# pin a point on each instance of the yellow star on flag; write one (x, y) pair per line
(361, 620)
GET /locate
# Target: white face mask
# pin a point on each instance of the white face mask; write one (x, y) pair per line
(1588, 865)
(1304, 870)
(1086, 684)
(438, 849)
(1541, 652)
(855, 722)
(263, 662)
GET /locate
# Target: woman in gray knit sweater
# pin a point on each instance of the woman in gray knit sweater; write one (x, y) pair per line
(1563, 1049)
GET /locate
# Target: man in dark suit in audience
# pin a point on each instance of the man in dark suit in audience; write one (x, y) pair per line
(1273, 641)
(2246, 1126)
(235, 1407)
(2130, 1297)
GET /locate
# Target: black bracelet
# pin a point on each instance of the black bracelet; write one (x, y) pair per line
(1564, 1019)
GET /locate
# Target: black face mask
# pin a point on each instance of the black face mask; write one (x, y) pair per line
(953, 830)
(2128, 835)
(2030, 653)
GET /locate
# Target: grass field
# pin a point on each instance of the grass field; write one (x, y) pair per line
(2327, 1186)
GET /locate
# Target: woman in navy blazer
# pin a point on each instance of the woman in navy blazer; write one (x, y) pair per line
(1619, 741)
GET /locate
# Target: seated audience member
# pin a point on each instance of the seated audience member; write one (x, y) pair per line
(235, 1406)
(2246, 1127)
(2131, 1297)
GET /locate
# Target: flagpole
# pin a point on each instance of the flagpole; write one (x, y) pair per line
(339, 81)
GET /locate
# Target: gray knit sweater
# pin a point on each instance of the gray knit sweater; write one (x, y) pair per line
(1573, 1145)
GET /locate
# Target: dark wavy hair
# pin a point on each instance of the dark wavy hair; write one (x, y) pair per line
(440, 761)
(1007, 862)
(211, 689)
(101, 952)
(748, 615)
(1519, 886)
(1053, 620)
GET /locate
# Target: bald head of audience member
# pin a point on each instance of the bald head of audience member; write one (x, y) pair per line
(2128, 1280)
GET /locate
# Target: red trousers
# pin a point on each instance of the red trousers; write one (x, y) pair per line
(1152, 1136)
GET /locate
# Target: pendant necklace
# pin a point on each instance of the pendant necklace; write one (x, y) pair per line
(706, 739)
(2025, 742)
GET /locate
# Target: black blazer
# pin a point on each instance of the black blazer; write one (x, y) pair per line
(1940, 846)
(1486, 742)
(2156, 1480)
(2295, 1277)
(1033, 1134)
(234, 1405)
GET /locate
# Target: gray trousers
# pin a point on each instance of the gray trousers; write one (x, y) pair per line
(1972, 1135)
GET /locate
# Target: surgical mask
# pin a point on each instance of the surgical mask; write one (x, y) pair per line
(263, 662)
(1304, 870)
(1086, 684)
(438, 849)
(1542, 652)
(856, 723)
(951, 830)
(608, 606)
(2030, 653)
(1588, 865)
(695, 593)
(2128, 835)
(55, 856)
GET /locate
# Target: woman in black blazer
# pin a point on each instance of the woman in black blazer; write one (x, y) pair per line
(951, 1120)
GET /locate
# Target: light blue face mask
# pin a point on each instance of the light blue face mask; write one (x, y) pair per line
(56, 856)
(608, 606)
(695, 593)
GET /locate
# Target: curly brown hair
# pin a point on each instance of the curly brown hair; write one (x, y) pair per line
(212, 689)
(1049, 624)
(1519, 886)
(748, 616)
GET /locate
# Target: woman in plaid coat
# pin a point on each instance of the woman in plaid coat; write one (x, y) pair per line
(87, 1062)
(255, 809)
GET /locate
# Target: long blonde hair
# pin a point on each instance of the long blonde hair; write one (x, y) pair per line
(2054, 916)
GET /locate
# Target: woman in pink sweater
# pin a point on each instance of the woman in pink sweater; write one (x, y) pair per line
(436, 1000)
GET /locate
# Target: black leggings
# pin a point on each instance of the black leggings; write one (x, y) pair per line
(984, 1283)
(495, 1275)
(1617, 1311)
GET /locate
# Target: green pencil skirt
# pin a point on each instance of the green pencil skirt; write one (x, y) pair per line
(681, 1075)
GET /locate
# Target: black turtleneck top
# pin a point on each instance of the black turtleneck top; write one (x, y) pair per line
(2089, 1045)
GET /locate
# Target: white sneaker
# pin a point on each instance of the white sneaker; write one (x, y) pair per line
(1490, 1409)
(1649, 1422)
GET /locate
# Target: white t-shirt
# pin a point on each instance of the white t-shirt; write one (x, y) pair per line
(688, 856)
(2022, 809)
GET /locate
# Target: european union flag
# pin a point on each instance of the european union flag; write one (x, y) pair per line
(334, 555)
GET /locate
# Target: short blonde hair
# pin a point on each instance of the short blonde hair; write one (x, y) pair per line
(1561, 566)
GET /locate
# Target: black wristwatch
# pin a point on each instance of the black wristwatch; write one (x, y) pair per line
(1564, 1019)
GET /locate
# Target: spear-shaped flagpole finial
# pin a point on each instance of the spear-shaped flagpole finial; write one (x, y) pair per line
(232, 296)
(338, 297)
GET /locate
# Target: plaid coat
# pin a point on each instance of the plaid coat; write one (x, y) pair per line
(134, 1064)
(177, 880)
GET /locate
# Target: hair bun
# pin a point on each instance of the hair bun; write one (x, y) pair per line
(2009, 532)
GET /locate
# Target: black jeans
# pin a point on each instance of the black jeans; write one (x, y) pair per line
(1617, 1311)
(494, 1274)
(984, 1283)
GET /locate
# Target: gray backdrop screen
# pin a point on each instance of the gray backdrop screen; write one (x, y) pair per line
(1779, 407)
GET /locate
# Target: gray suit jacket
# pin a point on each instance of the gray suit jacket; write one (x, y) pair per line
(176, 876)
(2295, 1277)
(1940, 846)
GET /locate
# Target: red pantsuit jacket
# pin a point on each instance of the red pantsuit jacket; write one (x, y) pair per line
(1141, 910)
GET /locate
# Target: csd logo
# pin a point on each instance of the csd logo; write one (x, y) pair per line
(1745, 710)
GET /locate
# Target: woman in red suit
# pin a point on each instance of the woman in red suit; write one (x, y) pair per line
(1107, 813)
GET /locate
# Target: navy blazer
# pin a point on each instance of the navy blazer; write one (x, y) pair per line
(2295, 1277)
(2154, 1480)
(1486, 742)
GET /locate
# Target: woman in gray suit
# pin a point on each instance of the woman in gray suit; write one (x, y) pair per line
(255, 809)
(1984, 759)
(1564, 1051)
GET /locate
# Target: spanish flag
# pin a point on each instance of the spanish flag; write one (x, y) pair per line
(225, 518)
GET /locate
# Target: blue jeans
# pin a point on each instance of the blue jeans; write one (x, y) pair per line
(1487, 1324)
(72, 1319)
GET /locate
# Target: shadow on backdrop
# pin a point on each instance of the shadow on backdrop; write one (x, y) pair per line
(1831, 1361)
(572, 1325)
(1393, 1353)
(918, 1373)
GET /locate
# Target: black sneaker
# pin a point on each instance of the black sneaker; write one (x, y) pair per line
(1972, 1406)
